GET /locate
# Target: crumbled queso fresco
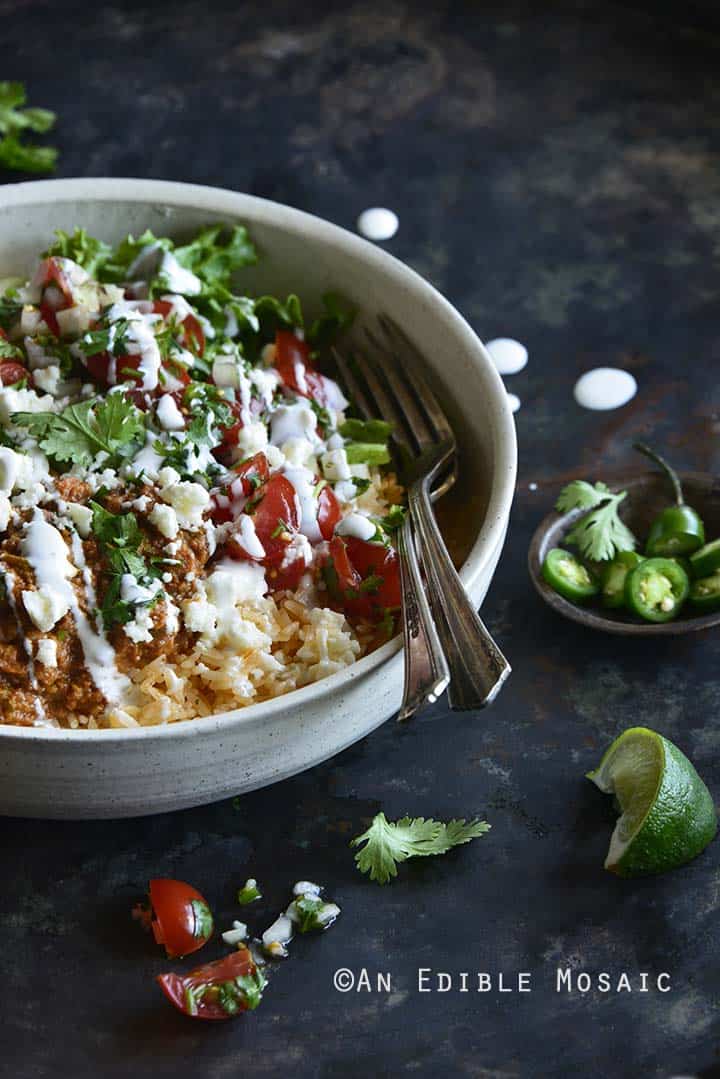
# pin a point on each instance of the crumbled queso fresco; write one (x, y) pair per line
(170, 452)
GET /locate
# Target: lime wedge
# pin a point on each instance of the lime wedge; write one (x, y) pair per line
(667, 814)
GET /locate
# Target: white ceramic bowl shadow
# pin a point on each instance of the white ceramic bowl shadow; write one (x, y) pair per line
(113, 773)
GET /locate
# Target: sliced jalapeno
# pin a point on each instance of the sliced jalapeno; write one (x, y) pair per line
(656, 589)
(613, 579)
(568, 577)
(679, 529)
(705, 593)
(706, 560)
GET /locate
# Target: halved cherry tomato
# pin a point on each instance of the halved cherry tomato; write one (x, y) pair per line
(253, 473)
(216, 990)
(277, 518)
(286, 577)
(250, 476)
(376, 560)
(329, 512)
(181, 917)
(12, 372)
(368, 576)
(192, 330)
(292, 362)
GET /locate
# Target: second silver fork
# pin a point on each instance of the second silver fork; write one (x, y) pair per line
(427, 457)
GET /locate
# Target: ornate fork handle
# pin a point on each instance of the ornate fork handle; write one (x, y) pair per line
(426, 670)
(477, 666)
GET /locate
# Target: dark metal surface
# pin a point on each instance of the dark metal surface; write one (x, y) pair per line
(555, 168)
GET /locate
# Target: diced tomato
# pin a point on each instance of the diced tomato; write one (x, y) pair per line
(193, 336)
(329, 512)
(253, 473)
(12, 372)
(51, 272)
(48, 315)
(250, 475)
(200, 992)
(277, 518)
(367, 577)
(376, 560)
(292, 362)
(181, 917)
(100, 365)
(286, 577)
(292, 357)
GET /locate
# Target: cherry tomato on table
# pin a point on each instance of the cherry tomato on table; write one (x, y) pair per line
(217, 990)
(181, 918)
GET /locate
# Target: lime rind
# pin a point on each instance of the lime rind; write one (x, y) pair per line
(668, 816)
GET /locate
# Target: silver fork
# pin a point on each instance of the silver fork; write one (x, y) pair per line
(426, 455)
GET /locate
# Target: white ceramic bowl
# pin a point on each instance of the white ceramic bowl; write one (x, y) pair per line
(86, 774)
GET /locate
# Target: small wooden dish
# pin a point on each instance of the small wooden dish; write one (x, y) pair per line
(648, 494)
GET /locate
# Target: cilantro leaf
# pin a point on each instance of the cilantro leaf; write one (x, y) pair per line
(14, 119)
(601, 533)
(387, 843)
(9, 351)
(88, 252)
(581, 495)
(84, 429)
(25, 158)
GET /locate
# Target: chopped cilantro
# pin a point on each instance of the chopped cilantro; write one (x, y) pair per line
(8, 351)
(249, 891)
(120, 538)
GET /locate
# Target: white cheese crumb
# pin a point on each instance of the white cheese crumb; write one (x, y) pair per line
(81, 517)
(189, 500)
(335, 465)
(45, 607)
(46, 652)
(165, 520)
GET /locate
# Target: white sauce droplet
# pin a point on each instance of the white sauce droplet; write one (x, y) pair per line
(377, 223)
(509, 356)
(605, 388)
(514, 402)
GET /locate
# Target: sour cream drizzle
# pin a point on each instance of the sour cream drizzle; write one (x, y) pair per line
(9, 582)
(47, 553)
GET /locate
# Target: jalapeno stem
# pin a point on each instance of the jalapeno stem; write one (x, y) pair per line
(671, 474)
